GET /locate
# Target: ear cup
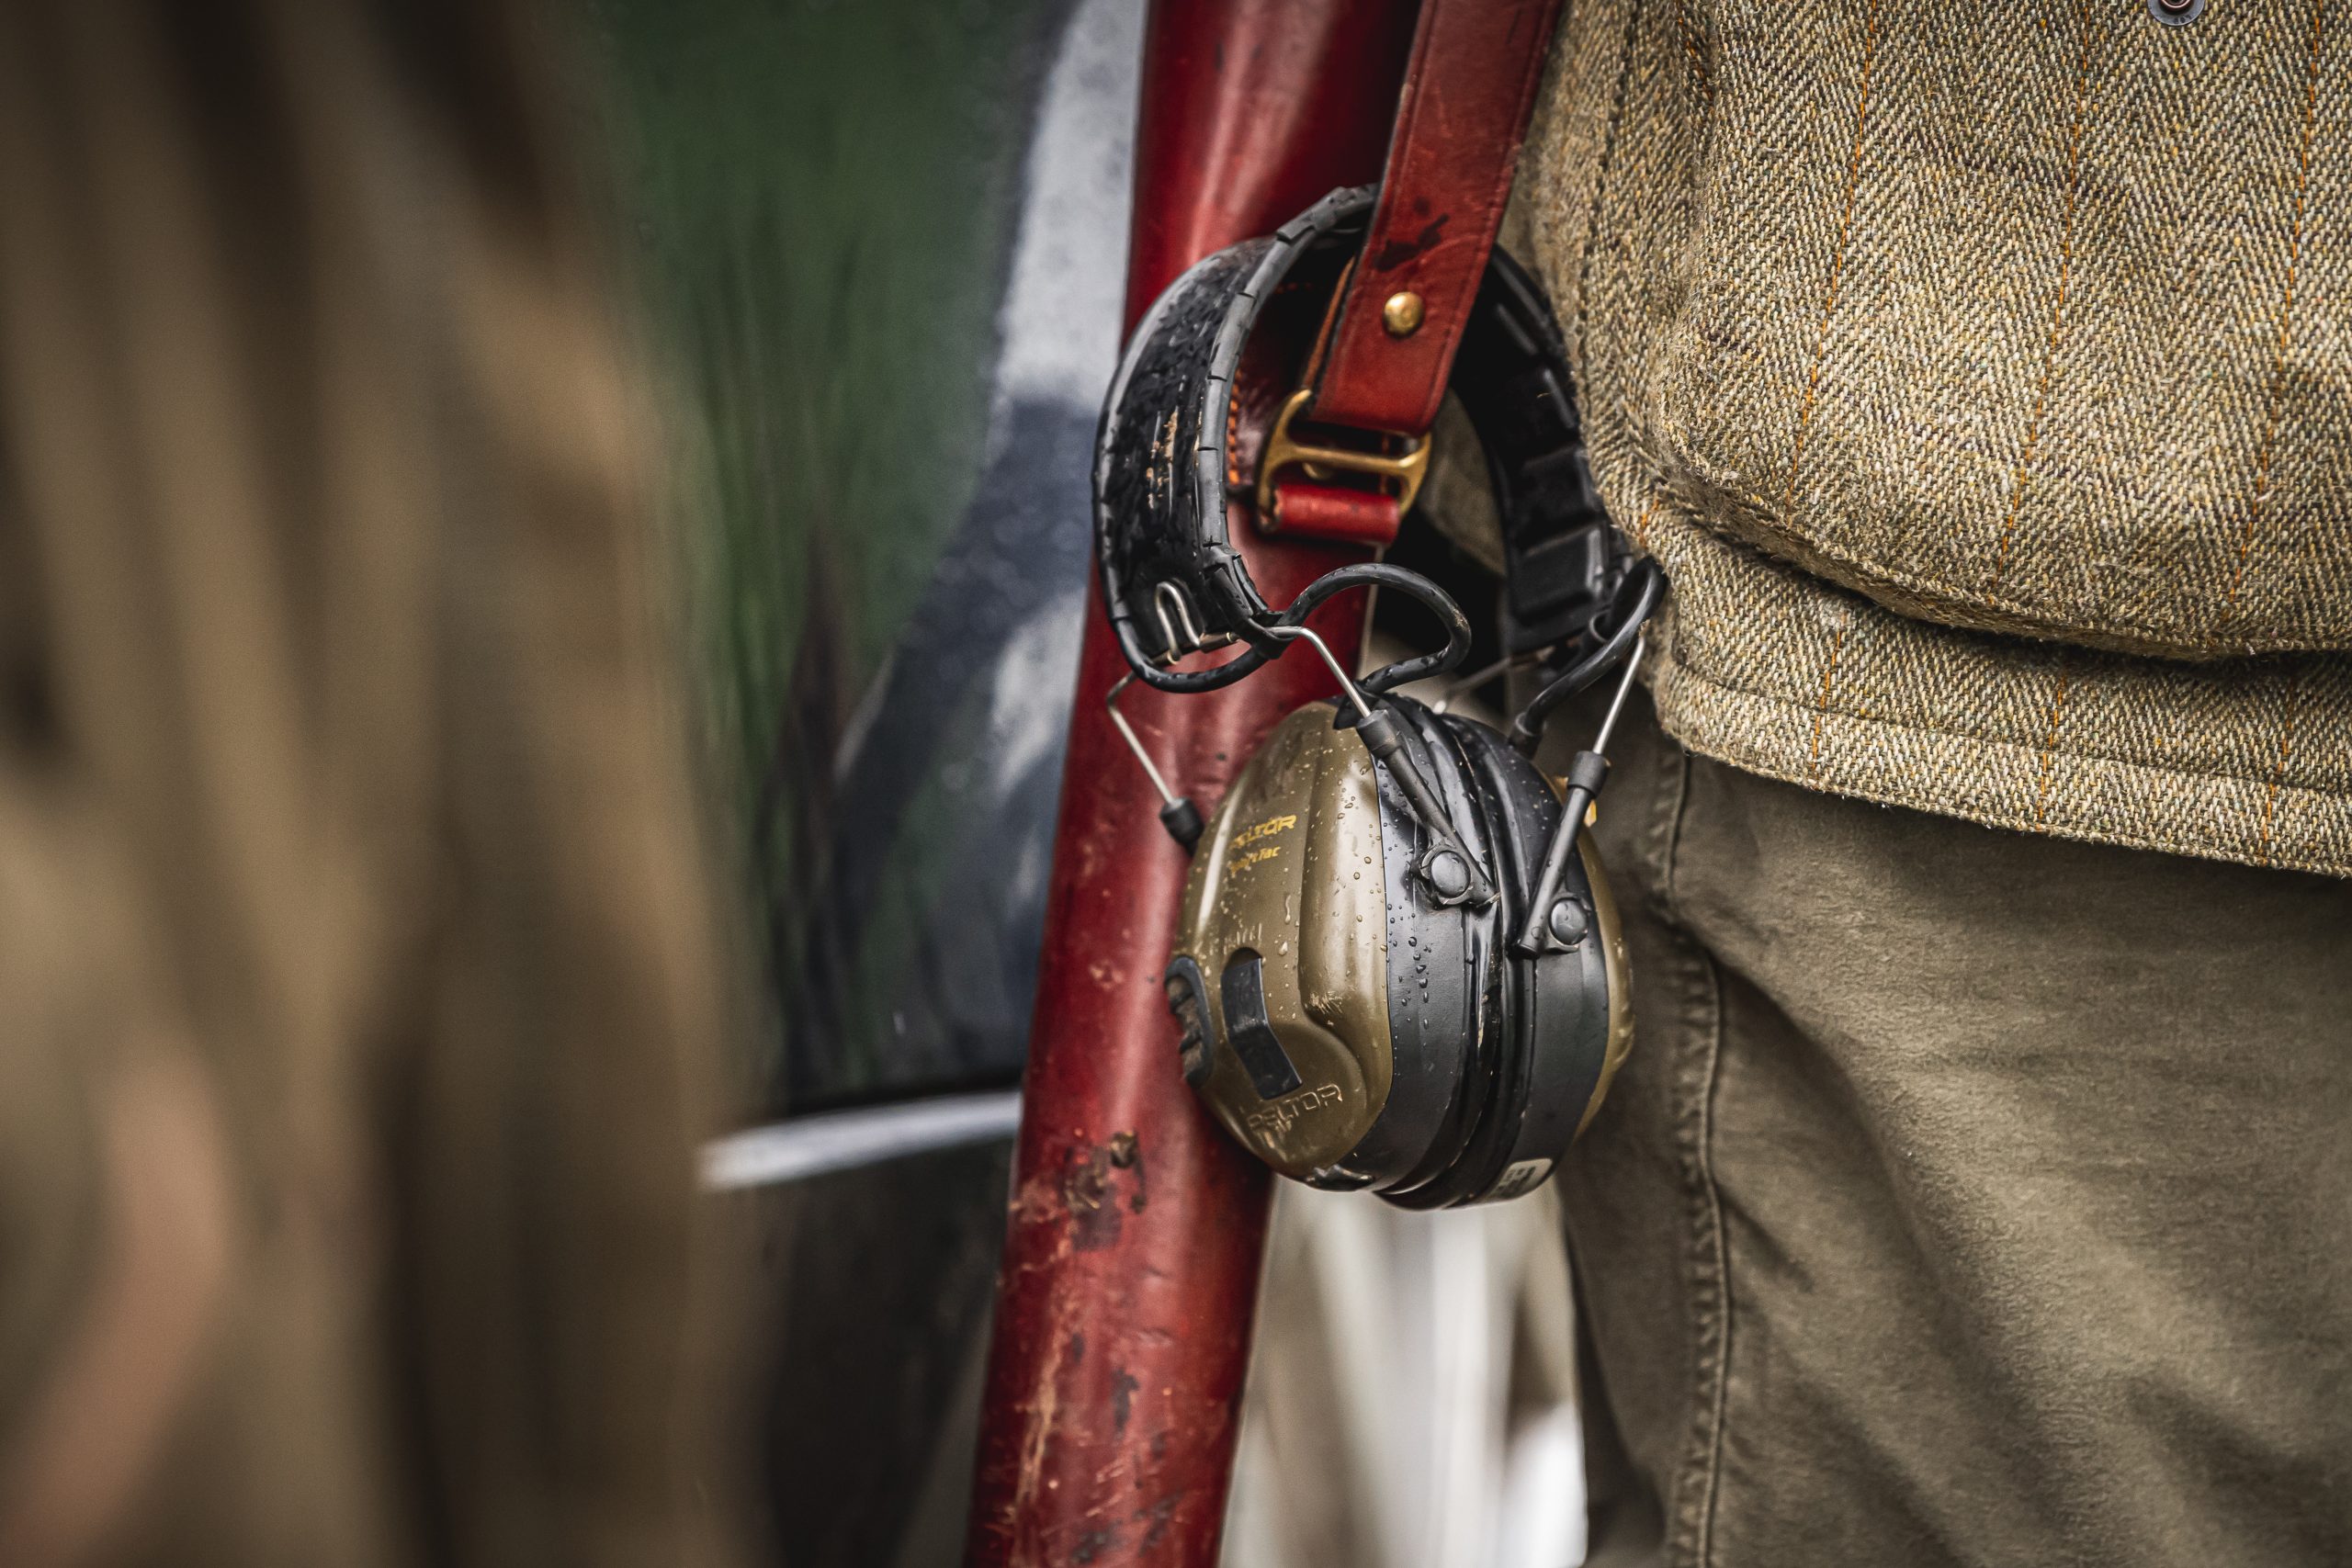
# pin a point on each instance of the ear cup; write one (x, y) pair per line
(1350, 1024)
(1532, 1035)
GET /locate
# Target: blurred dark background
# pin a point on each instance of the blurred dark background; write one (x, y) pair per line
(879, 253)
(880, 249)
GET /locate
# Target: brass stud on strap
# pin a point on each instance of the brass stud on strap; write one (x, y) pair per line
(1402, 314)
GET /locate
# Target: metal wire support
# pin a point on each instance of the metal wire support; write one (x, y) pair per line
(1262, 630)
(1587, 773)
(1165, 594)
(1647, 586)
(1177, 812)
(1134, 743)
(1617, 703)
(1339, 672)
(1451, 872)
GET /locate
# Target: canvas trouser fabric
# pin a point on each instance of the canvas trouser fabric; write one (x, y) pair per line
(358, 990)
(1970, 1197)
(1980, 376)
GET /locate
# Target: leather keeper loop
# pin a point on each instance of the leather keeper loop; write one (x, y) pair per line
(1334, 512)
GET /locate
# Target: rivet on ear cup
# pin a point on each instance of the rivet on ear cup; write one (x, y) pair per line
(1567, 923)
(1449, 875)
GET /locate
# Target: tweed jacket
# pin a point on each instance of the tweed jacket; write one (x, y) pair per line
(1980, 376)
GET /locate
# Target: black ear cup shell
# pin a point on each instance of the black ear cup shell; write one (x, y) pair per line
(1497, 1054)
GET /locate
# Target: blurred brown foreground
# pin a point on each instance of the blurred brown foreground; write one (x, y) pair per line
(356, 974)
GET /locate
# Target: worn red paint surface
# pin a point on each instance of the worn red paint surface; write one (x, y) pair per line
(1137, 1229)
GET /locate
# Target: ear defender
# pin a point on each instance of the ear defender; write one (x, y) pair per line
(1351, 1023)
(1398, 966)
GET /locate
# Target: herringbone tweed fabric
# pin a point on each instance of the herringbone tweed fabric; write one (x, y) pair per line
(1981, 377)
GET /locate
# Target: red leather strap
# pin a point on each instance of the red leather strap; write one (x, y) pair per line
(1333, 511)
(1463, 112)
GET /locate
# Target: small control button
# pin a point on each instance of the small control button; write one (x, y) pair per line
(1188, 1000)
(1248, 1031)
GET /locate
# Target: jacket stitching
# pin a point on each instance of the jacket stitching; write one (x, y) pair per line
(1827, 560)
(1821, 708)
(2286, 315)
(1686, 670)
(2058, 309)
(2049, 746)
(1582, 350)
(2279, 772)
(1837, 262)
(2302, 858)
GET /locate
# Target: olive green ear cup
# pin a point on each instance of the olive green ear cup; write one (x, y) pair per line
(1354, 1026)
(1284, 948)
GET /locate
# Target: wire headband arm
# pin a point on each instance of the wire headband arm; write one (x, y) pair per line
(1647, 584)
(1268, 637)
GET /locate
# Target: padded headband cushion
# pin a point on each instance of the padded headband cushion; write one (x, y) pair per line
(1202, 377)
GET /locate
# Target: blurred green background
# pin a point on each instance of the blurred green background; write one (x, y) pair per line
(876, 250)
(817, 205)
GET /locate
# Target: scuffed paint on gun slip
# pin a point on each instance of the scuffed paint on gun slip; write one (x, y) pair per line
(1137, 1229)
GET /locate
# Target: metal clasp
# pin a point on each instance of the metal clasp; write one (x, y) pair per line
(1166, 595)
(1407, 467)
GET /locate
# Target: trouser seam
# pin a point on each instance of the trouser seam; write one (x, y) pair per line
(1661, 836)
(1698, 1038)
(1715, 1379)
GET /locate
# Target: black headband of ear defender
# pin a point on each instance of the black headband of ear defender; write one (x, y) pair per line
(1166, 460)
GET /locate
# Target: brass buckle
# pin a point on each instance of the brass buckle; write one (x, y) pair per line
(1407, 467)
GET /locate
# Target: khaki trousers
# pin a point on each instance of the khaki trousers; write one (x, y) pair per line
(1970, 1197)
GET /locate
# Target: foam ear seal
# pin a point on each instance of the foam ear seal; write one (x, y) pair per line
(1498, 1056)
